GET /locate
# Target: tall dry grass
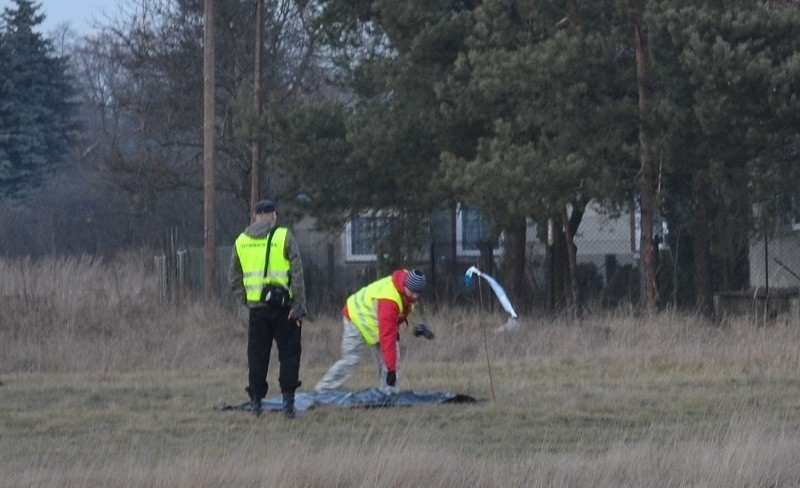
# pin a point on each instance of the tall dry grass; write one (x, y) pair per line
(101, 384)
(83, 314)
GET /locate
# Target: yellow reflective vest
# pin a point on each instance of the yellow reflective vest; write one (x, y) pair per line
(252, 252)
(362, 307)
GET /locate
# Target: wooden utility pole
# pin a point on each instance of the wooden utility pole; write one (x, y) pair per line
(209, 235)
(255, 171)
(647, 261)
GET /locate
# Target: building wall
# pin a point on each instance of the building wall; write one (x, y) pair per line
(783, 247)
(330, 277)
(601, 239)
(328, 272)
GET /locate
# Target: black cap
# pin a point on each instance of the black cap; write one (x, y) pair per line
(265, 206)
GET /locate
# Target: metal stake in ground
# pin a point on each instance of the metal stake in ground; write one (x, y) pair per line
(486, 345)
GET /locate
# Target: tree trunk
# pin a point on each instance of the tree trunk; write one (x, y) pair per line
(514, 260)
(486, 264)
(452, 262)
(550, 267)
(647, 253)
(559, 265)
(701, 243)
(570, 227)
(209, 237)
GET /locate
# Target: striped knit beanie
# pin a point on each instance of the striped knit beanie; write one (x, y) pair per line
(415, 281)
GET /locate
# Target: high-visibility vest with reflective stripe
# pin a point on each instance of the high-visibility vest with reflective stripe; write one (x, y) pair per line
(252, 252)
(363, 308)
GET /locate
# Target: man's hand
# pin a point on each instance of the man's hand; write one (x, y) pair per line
(297, 316)
(391, 378)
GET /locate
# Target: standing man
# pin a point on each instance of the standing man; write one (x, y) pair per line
(266, 274)
(372, 318)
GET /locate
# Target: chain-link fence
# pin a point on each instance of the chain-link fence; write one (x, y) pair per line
(763, 276)
(335, 266)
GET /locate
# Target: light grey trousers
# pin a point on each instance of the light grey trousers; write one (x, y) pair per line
(353, 347)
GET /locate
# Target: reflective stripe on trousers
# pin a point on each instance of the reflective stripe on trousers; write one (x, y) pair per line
(353, 347)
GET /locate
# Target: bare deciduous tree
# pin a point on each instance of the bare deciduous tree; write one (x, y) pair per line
(145, 71)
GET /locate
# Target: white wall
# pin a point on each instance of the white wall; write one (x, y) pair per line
(601, 233)
(785, 247)
(598, 236)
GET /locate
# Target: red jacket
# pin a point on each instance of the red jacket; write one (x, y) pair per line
(390, 319)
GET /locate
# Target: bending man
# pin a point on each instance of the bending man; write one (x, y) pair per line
(372, 318)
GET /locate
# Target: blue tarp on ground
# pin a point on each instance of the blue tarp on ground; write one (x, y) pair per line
(370, 398)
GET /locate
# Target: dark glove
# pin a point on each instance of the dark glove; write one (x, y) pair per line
(424, 331)
(391, 378)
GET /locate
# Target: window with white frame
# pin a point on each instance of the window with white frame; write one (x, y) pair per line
(470, 229)
(363, 234)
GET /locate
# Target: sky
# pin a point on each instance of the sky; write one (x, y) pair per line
(78, 13)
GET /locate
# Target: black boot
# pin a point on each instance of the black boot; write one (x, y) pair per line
(288, 405)
(255, 404)
(256, 408)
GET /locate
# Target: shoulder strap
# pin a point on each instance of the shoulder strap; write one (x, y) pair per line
(266, 263)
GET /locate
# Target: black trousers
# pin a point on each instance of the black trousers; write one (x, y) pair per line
(268, 324)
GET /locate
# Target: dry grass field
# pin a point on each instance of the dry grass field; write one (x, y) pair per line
(101, 385)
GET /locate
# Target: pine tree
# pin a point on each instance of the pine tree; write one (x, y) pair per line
(36, 111)
(726, 113)
(547, 81)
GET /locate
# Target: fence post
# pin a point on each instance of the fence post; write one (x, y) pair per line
(161, 271)
(331, 270)
(182, 257)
